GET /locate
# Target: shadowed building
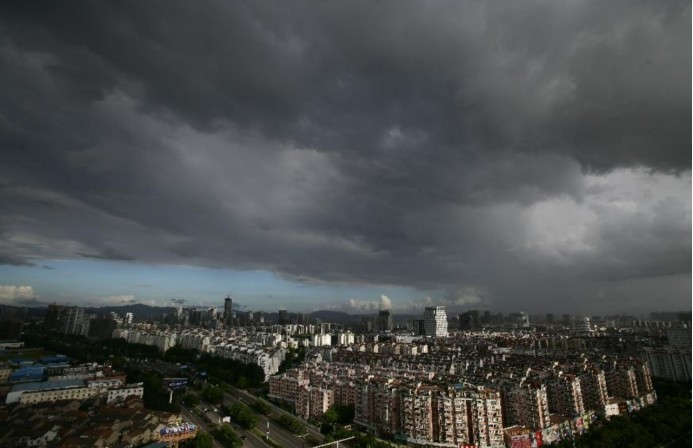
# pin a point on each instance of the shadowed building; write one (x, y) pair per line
(385, 320)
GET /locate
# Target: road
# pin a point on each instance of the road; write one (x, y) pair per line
(249, 399)
(192, 417)
(250, 441)
(279, 434)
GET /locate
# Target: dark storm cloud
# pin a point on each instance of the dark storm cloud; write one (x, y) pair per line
(497, 148)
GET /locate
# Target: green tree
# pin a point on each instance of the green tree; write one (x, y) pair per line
(191, 399)
(262, 406)
(203, 440)
(292, 424)
(213, 394)
(242, 415)
(227, 437)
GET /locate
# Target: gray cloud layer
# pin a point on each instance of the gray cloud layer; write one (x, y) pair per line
(536, 151)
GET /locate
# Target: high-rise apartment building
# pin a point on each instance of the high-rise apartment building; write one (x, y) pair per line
(594, 389)
(679, 337)
(670, 362)
(580, 325)
(443, 415)
(385, 320)
(228, 311)
(565, 395)
(435, 321)
(528, 405)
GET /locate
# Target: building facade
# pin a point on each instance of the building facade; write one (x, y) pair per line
(435, 321)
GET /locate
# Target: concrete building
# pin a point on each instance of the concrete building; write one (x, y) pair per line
(580, 325)
(565, 395)
(435, 321)
(429, 414)
(622, 383)
(45, 391)
(130, 390)
(594, 390)
(528, 405)
(670, 362)
(385, 322)
(228, 311)
(679, 337)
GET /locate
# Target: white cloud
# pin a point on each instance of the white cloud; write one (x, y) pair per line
(359, 305)
(11, 292)
(123, 299)
(16, 295)
(469, 295)
(385, 302)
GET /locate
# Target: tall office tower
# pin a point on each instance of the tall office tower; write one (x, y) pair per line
(250, 316)
(435, 321)
(550, 319)
(228, 311)
(283, 317)
(129, 318)
(385, 320)
(261, 317)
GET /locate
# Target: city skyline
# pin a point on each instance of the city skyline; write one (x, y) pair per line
(527, 157)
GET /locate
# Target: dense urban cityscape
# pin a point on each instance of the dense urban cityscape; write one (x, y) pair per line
(346, 224)
(474, 380)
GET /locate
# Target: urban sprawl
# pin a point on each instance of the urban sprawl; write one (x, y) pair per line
(476, 379)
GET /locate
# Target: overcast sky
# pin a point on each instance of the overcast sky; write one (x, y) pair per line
(509, 156)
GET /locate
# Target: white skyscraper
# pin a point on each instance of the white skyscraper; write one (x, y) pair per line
(435, 321)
